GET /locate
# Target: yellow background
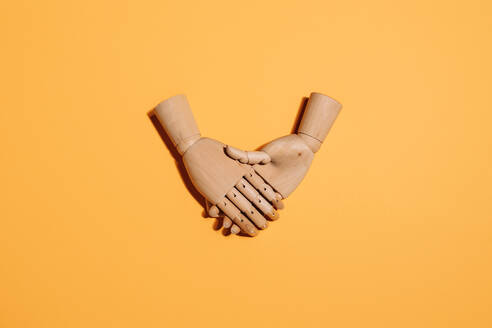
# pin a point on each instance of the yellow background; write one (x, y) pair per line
(391, 228)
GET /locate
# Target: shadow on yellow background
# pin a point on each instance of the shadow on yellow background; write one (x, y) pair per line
(177, 158)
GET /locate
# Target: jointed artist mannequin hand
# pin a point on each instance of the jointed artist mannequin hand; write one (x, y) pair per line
(231, 187)
(286, 160)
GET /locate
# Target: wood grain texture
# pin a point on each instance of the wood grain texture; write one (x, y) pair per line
(211, 171)
(290, 161)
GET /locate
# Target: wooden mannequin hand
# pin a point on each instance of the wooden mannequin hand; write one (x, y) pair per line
(284, 162)
(230, 186)
(225, 183)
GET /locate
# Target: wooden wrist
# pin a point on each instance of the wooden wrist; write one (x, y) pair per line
(311, 142)
(319, 115)
(177, 120)
(185, 144)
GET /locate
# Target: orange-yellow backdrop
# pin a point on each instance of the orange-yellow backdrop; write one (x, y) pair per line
(391, 228)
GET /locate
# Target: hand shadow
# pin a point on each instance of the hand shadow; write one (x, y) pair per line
(300, 113)
(219, 222)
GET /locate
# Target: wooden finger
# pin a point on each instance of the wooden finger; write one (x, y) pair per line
(237, 217)
(258, 157)
(265, 189)
(280, 204)
(254, 197)
(237, 154)
(213, 211)
(248, 157)
(247, 208)
(235, 229)
(227, 223)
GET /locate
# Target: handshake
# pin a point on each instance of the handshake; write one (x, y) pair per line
(247, 187)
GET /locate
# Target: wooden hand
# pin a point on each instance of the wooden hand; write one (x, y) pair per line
(231, 187)
(284, 162)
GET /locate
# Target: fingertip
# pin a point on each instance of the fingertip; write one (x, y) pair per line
(266, 158)
(251, 231)
(227, 223)
(235, 229)
(278, 201)
(279, 205)
(274, 216)
(213, 211)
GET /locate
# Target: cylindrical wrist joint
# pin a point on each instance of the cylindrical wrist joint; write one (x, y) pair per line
(319, 115)
(177, 120)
